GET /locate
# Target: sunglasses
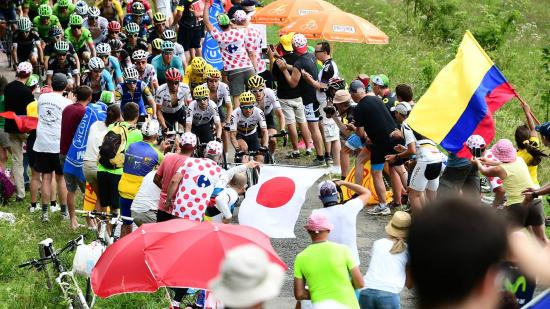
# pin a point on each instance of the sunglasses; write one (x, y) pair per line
(103, 56)
(174, 82)
(201, 99)
(257, 90)
(98, 70)
(319, 51)
(62, 54)
(213, 80)
(141, 62)
(167, 52)
(247, 107)
(131, 81)
(132, 35)
(76, 27)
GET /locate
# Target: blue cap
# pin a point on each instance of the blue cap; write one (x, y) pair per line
(355, 86)
(544, 129)
(328, 192)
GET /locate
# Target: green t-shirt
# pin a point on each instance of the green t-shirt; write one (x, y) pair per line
(2, 109)
(134, 135)
(85, 37)
(326, 268)
(65, 17)
(43, 30)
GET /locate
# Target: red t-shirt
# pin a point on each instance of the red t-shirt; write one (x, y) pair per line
(70, 119)
(167, 170)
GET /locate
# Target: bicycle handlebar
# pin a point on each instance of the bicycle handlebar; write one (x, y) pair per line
(103, 215)
(71, 244)
(284, 135)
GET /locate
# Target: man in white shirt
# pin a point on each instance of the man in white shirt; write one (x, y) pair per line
(145, 205)
(48, 136)
(343, 216)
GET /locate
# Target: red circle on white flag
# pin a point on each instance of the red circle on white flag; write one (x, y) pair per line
(276, 192)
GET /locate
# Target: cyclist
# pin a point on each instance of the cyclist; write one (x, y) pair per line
(110, 9)
(119, 53)
(96, 24)
(63, 9)
(9, 9)
(133, 42)
(103, 51)
(26, 44)
(170, 35)
(139, 18)
(219, 93)
(63, 63)
(81, 38)
(98, 78)
(159, 25)
(194, 74)
(81, 9)
(166, 60)
(267, 101)
(134, 90)
(30, 7)
(202, 112)
(172, 99)
(243, 125)
(146, 71)
(44, 21)
(113, 31)
(146, 6)
(156, 50)
(56, 35)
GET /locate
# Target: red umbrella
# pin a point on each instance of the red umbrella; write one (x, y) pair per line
(192, 257)
(122, 269)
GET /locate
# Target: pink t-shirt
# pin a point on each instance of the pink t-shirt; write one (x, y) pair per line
(232, 46)
(254, 44)
(167, 170)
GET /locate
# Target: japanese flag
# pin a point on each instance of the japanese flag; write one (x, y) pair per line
(273, 204)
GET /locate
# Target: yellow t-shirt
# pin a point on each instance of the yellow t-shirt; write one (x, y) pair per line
(517, 179)
(32, 109)
(527, 157)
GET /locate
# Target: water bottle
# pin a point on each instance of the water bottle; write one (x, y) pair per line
(5, 216)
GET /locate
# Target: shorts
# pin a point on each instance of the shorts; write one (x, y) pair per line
(312, 112)
(33, 53)
(72, 182)
(190, 37)
(8, 14)
(270, 121)
(331, 131)
(31, 154)
(354, 142)
(90, 173)
(237, 79)
(5, 139)
(203, 132)
(379, 152)
(293, 110)
(140, 218)
(47, 163)
(425, 176)
(108, 189)
(252, 140)
(521, 215)
(171, 118)
(125, 209)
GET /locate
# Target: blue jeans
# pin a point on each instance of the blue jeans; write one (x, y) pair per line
(376, 299)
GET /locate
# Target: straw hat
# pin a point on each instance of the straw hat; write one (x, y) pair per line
(399, 224)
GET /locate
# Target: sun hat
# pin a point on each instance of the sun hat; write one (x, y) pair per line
(328, 192)
(240, 16)
(475, 141)
(404, 108)
(544, 129)
(188, 138)
(299, 43)
(318, 222)
(504, 151)
(381, 80)
(247, 278)
(341, 96)
(355, 86)
(286, 41)
(399, 224)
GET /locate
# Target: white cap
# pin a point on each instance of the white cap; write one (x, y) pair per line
(24, 67)
(214, 148)
(404, 108)
(150, 128)
(475, 141)
(188, 138)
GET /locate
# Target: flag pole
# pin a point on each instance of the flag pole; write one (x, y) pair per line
(522, 101)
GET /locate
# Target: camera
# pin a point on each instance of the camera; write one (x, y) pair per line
(329, 111)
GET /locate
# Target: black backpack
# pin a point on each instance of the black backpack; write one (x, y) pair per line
(111, 151)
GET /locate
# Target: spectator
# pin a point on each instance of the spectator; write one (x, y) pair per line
(343, 216)
(4, 137)
(544, 130)
(459, 177)
(47, 144)
(145, 204)
(449, 278)
(253, 38)
(239, 61)
(404, 93)
(190, 27)
(289, 97)
(247, 278)
(16, 98)
(387, 273)
(111, 9)
(528, 144)
(70, 120)
(326, 267)
(380, 87)
(344, 120)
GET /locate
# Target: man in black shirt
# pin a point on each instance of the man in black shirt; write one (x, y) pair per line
(16, 98)
(191, 28)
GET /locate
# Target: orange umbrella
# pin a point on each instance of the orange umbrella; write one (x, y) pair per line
(283, 11)
(337, 26)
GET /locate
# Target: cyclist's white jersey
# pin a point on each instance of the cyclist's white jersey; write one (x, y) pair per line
(426, 150)
(222, 94)
(247, 125)
(198, 117)
(163, 98)
(270, 101)
(149, 75)
(179, 52)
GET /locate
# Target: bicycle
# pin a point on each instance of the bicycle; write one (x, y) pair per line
(269, 157)
(105, 236)
(8, 40)
(199, 153)
(65, 279)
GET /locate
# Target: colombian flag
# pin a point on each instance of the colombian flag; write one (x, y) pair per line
(462, 99)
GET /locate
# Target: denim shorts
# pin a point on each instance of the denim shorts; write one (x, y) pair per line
(373, 299)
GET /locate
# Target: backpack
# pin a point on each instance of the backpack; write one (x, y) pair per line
(113, 147)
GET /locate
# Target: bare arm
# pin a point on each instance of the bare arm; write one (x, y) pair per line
(218, 126)
(233, 137)
(530, 120)
(158, 180)
(253, 59)
(160, 117)
(206, 21)
(364, 193)
(265, 137)
(357, 278)
(281, 118)
(172, 188)
(490, 170)
(294, 78)
(300, 291)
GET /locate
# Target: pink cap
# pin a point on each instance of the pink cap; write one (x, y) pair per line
(318, 222)
(504, 151)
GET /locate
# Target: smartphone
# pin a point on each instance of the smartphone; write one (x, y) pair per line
(477, 152)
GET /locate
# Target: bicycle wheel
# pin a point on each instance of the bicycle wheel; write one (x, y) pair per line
(255, 175)
(9, 45)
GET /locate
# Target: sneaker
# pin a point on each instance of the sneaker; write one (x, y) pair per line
(309, 151)
(65, 216)
(55, 208)
(379, 210)
(33, 209)
(405, 208)
(317, 162)
(329, 161)
(293, 155)
(45, 217)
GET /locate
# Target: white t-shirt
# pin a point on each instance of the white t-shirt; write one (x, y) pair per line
(344, 219)
(48, 130)
(224, 200)
(386, 272)
(95, 138)
(148, 195)
(426, 150)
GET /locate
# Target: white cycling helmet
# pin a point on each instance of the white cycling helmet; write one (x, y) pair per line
(213, 148)
(103, 49)
(93, 11)
(475, 141)
(140, 54)
(81, 8)
(188, 138)
(150, 128)
(24, 24)
(24, 67)
(131, 74)
(96, 63)
(169, 34)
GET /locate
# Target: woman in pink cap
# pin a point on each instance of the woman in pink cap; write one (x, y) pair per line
(515, 178)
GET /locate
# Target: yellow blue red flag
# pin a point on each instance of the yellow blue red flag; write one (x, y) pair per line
(462, 99)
